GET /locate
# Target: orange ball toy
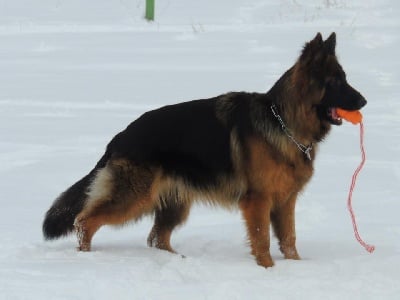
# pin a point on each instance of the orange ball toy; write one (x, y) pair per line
(354, 117)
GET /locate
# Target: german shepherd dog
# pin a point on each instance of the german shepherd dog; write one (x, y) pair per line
(251, 150)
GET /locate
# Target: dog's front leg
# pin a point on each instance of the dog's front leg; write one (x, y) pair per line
(283, 222)
(256, 210)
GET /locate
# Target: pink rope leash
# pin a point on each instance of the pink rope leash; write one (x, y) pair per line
(369, 248)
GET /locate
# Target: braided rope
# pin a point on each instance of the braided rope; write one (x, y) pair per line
(368, 247)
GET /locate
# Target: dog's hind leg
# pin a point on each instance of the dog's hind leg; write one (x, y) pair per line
(167, 217)
(120, 192)
(283, 221)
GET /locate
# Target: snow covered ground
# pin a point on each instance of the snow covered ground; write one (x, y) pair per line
(74, 73)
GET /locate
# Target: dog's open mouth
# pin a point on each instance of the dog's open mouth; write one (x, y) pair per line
(333, 116)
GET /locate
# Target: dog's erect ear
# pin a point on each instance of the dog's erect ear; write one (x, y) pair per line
(312, 50)
(318, 39)
(330, 43)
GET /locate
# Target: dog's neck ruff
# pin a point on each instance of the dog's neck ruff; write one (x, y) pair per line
(303, 148)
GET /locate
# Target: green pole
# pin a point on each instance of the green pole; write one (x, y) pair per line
(150, 10)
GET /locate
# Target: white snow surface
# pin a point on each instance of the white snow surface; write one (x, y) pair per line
(74, 73)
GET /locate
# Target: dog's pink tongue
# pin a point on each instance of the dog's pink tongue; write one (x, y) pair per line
(334, 113)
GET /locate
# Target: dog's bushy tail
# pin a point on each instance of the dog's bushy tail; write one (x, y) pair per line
(59, 219)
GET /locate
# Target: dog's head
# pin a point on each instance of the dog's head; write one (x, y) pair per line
(319, 64)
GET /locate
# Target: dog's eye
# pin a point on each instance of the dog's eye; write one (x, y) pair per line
(333, 81)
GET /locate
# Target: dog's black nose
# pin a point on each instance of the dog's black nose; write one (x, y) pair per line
(362, 102)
